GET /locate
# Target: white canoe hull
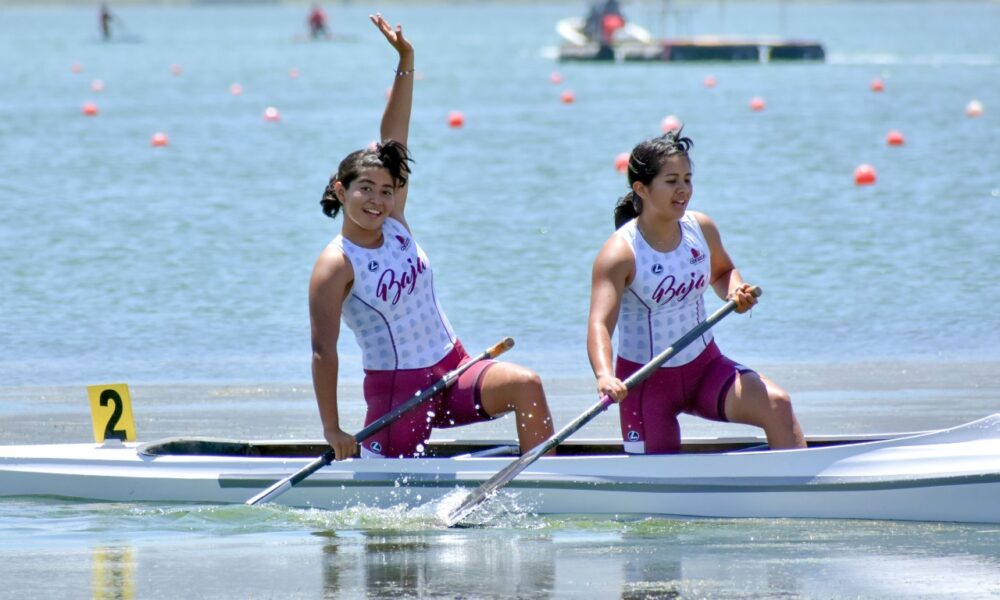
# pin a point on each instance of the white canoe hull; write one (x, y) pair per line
(948, 475)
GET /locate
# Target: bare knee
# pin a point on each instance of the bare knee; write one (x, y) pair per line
(525, 378)
(757, 401)
(780, 403)
(509, 387)
(783, 430)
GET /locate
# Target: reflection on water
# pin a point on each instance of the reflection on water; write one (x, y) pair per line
(114, 573)
(385, 564)
(666, 559)
(129, 551)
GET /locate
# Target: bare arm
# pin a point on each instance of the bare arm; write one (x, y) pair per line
(328, 287)
(613, 270)
(396, 118)
(726, 279)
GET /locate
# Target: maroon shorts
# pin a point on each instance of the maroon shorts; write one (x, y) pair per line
(458, 404)
(649, 412)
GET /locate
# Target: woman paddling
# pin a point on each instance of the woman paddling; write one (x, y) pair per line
(649, 280)
(377, 278)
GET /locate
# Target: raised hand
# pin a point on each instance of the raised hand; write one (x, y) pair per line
(393, 36)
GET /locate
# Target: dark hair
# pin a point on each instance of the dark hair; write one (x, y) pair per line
(390, 155)
(644, 163)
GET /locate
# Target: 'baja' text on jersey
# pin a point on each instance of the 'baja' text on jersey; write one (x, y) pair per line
(392, 308)
(666, 298)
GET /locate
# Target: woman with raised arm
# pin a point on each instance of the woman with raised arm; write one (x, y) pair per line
(649, 280)
(377, 279)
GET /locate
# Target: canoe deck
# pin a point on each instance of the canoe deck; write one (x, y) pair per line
(473, 448)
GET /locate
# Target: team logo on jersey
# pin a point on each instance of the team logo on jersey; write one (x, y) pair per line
(696, 257)
(391, 286)
(670, 289)
(657, 269)
(404, 243)
(633, 436)
(376, 447)
(373, 265)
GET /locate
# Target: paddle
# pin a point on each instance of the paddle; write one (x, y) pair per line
(505, 475)
(392, 416)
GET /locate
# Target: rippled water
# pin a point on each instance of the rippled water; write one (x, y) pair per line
(188, 265)
(190, 262)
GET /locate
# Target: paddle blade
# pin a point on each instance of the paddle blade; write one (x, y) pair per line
(506, 474)
(282, 486)
(489, 488)
(275, 490)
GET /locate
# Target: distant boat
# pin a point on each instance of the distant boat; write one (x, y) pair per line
(634, 43)
(572, 30)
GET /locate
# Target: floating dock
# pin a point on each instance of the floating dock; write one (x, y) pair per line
(697, 49)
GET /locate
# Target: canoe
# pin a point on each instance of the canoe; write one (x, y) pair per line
(943, 475)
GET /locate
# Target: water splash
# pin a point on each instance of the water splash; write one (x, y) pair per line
(504, 509)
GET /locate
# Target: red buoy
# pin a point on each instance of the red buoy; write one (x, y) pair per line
(90, 109)
(878, 85)
(621, 162)
(555, 78)
(293, 73)
(271, 114)
(864, 175)
(235, 89)
(76, 67)
(974, 108)
(709, 81)
(894, 138)
(159, 139)
(97, 85)
(456, 119)
(176, 69)
(568, 97)
(757, 104)
(670, 123)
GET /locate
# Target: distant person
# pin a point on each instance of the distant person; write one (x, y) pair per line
(603, 20)
(612, 20)
(106, 18)
(317, 23)
(376, 278)
(649, 281)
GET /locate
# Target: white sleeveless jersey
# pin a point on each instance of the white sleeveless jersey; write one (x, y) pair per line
(392, 308)
(666, 298)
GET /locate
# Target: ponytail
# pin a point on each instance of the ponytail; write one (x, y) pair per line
(628, 207)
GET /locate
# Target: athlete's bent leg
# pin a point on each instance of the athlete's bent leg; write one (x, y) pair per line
(508, 387)
(756, 400)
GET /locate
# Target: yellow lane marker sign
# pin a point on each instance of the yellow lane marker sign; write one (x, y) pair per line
(111, 412)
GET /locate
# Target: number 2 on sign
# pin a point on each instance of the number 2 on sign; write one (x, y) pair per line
(111, 412)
